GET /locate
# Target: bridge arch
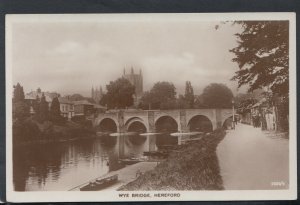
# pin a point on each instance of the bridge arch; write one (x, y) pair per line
(227, 121)
(166, 123)
(136, 124)
(107, 124)
(200, 123)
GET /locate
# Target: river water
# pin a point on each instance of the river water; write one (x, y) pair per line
(61, 166)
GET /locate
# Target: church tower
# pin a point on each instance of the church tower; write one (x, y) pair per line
(136, 80)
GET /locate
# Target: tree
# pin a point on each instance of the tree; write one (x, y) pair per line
(161, 96)
(189, 94)
(146, 101)
(54, 114)
(119, 94)
(263, 55)
(182, 102)
(20, 108)
(55, 107)
(18, 93)
(43, 111)
(263, 59)
(217, 96)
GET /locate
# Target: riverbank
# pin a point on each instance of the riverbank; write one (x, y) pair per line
(193, 166)
(30, 131)
(125, 175)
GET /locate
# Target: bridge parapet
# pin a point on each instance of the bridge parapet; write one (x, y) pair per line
(123, 118)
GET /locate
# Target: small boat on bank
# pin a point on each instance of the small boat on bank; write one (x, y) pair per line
(156, 153)
(131, 161)
(99, 184)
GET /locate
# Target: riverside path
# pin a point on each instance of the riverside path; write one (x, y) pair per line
(251, 159)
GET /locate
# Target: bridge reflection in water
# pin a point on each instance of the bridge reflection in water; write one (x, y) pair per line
(63, 165)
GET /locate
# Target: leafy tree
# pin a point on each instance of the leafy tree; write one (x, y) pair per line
(21, 110)
(36, 104)
(263, 55)
(119, 94)
(55, 107)
(189, 94)
(54, 114)
(43, 111)
(146, 101)
(18, 93)
(161, 96)
(217, 96)
(182, 102)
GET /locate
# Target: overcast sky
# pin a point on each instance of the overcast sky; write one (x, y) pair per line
(71, 57)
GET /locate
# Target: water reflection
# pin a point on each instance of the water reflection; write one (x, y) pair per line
(63, 165)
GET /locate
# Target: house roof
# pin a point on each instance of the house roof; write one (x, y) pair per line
(34, 94)
(65, 100)
(82, 102)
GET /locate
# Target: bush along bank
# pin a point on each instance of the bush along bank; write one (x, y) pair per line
(193, 166)
(30, 131)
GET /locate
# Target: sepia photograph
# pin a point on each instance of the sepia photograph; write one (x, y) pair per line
(151, 107)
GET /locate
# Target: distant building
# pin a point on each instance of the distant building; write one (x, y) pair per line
(137, 81)
(66, 107)
(97, 94)
(33, 96)
(83, 108)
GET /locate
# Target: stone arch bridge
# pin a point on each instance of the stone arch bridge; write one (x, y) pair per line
(124, 118)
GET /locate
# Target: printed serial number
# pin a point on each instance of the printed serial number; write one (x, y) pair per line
(281, 183)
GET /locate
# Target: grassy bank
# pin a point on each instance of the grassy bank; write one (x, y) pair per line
(192, 166)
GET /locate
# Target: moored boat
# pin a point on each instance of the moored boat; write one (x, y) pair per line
(99, 184)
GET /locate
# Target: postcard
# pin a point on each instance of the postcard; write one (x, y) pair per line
(151, 107)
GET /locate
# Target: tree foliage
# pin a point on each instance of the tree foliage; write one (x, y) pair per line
(217, 96)
(119, 94)
(189, 94)
(18, 93)
(263, 55)
(161, 96)
(20, 107)
(43, 110)
(20, 110)
(55, 107)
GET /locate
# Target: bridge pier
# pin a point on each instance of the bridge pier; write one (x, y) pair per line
(151, 122)
(183, 127)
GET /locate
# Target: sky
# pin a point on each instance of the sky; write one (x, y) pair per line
(72, 56)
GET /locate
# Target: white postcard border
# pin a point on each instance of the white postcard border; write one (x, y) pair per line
(65, 196)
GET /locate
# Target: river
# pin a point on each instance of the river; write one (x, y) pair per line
(60, 166)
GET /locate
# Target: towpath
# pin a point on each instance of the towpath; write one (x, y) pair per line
(251, 159)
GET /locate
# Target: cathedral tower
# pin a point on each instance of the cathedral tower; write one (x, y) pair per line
(136, 80)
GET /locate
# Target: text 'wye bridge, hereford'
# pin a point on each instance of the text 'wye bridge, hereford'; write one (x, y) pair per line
(151, 119)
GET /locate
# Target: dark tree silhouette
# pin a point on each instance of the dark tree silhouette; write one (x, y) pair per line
(55, 107)
(217, 96)
(18, 93)
(189, 94)
(263, 55)
(43, 111)
(161, 96)
(119, 94)
(20, 107)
